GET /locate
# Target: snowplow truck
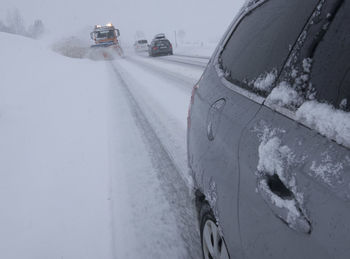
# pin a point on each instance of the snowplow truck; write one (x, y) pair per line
(106, 36)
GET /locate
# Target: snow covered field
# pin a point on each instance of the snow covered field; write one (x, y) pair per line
(199, 49)
(93, 156)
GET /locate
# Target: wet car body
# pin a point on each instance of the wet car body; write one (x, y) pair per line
(277, 183)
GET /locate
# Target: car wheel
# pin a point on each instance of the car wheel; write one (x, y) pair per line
(213, 245)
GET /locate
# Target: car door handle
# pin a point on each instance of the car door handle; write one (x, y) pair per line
(213, 118)
(283, 203)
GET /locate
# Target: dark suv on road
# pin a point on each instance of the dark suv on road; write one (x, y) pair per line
(269, 134)
(160, 46)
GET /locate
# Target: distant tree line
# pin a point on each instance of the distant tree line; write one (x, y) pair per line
(15, 25)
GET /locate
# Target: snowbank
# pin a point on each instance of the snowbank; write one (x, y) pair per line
(53, 166)
(71, 47)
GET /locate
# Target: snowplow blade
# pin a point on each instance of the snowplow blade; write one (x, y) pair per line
(103, 45)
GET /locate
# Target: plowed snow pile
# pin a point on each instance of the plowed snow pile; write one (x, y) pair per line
(53, 195)
(71, 47)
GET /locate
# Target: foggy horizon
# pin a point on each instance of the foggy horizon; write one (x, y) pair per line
(202, 21)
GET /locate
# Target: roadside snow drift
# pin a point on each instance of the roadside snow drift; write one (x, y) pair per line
(53, 195)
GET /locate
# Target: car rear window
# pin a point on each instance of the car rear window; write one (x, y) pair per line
(142, 41)
(259, 46)
(162, 42)
(330, 72)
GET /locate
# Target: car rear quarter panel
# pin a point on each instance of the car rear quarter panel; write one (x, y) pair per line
(215, 163)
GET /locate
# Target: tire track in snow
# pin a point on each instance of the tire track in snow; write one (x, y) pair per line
(185, 83)
(188, 61)
(204, 58)
(177, 191)
(165, 107)
(144, 223)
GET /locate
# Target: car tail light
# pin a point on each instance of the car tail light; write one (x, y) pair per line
(191, 103)
(171, 46)
(155, 48)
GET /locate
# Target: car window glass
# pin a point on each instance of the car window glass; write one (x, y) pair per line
(330, 72)
(162, 43)
(259, 46)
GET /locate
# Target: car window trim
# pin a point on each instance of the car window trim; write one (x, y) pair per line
(288, 112)
(233, 26)
(245, 92)
(249, 94)
(291, 114)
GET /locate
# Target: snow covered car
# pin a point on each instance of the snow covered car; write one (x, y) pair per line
(269, 134)
(160, 47)
(141, 45)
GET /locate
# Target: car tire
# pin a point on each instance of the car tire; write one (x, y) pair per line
(213, 244)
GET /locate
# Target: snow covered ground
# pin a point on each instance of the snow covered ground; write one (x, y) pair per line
(93, 156)
(53, 160)
(199, 49)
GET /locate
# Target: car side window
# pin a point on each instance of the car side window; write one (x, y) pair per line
(258, 48)
(330, 71)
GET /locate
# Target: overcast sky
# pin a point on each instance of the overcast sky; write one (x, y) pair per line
(202, 20)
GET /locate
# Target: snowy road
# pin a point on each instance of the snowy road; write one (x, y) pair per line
(93, 156)
(162, 222)
(187, 60)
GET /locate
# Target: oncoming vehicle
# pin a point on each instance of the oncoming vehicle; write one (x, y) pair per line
(106, 36)
(269, 134)
(141, 45)
(160, 47)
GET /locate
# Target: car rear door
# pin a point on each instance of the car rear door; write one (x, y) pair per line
(294, 155)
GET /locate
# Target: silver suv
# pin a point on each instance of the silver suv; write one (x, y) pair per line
(269, 134)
